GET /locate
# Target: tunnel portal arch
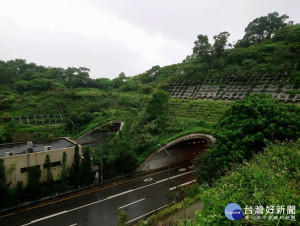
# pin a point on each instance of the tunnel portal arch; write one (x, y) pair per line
(181, 150)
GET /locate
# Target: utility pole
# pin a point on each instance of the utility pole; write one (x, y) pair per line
(72, 125)
(101, 177)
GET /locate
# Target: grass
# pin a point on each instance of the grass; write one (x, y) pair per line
(271, 178)
(209, 111)
(110, 106)
(187, 116)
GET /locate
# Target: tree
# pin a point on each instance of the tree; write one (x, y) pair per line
(6, 74)
(120, 157)
(104, 83)
(262, 28)
(49, 176)
(10, 170)
(77, 77)
(119, 81)
(18, 65)
(3, 186)
(220, 43)
(9, 131)
(20, 191)
(99, 157)
(153, 73)
(122, 76)
(75, 171)
(158, 108)
(86, 166)
(245, 130)
(79, 118)
(202, 47)
(64, 172)
(33, 185)
(288, 34)
(21, 86)
(122, 220)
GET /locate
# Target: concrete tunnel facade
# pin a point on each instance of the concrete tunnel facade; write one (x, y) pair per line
(182, 150)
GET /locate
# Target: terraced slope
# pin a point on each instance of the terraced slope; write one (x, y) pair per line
(207, 110)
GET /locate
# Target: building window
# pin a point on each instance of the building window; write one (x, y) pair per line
(53, 164)
(25, 169)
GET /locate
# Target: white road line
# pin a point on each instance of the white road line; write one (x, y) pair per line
(110, 197)
(73, 224)
(63, 212)
(128, 222)
(122, 193)
(131, 203)
(179, 175)
(192, 181)
(44, 218)
(92, 203)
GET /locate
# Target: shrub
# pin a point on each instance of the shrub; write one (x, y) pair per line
(245, 130)
(270, 178)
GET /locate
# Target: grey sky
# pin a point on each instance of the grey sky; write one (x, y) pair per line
(111, 36)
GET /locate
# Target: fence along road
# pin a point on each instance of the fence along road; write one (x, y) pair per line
(139, 197)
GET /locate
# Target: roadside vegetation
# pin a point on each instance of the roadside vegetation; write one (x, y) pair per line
(255, 162)
(270, 178)
(67, 103)
(244, 130)
(79, 174)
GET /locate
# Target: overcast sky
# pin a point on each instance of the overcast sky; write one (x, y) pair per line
(130, 36)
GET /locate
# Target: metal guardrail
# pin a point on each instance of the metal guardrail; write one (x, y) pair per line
(46, 198)
(22, 206)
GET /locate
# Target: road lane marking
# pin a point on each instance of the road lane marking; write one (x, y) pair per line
(192, 181)
(160, 181)
(88, 192)
(122, 193)
(128, 222)
(110, 197)
(179, 175)
(92, 203)
(148, 179)
(63, 212)
(44, 218)
(131, 203)
(7, 215)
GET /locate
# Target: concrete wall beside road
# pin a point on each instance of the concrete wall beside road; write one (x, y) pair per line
(20, 163)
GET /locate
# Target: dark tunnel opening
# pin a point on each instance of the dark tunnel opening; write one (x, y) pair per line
(181, 152)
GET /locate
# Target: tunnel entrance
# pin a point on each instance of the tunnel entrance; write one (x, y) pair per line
(182, 150)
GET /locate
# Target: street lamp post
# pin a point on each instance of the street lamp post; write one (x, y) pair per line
(72, 125)
(168, 164)
(101, 177)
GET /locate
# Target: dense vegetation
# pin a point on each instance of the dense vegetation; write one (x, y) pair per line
(255, 162)
(271, 178)
(79, 174)
(270, 46)
(244, 131)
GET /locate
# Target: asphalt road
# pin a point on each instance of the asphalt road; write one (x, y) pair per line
(138, 197)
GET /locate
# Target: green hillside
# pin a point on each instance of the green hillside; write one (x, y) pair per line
(40, 103)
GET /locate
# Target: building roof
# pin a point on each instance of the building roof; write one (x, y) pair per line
(38, 146)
